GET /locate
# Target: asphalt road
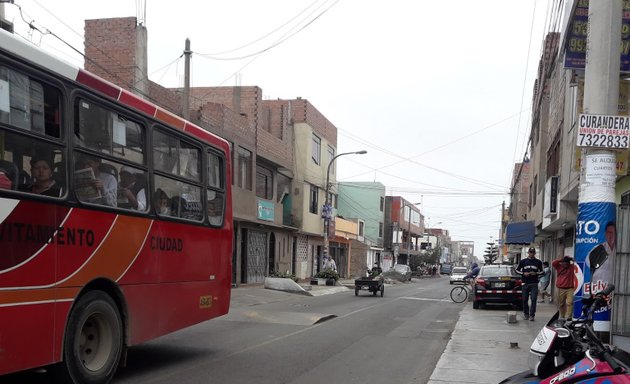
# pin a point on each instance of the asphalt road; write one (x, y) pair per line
(397, 339)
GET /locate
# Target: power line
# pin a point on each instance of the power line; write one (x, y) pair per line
(411, 159)
(262, 37)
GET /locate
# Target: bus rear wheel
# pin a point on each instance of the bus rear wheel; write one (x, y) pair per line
(94, 341)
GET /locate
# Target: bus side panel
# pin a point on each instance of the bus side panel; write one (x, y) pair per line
(26, 336)
(194, 279)
(158, 309)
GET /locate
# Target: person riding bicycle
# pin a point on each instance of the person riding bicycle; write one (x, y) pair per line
(474, 271)
(470, 276)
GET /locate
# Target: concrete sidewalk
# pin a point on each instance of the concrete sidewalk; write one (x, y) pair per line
(482, 346)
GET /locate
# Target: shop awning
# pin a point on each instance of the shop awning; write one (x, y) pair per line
(520, 233)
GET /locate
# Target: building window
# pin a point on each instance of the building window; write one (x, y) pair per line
(316, 149)
(313, 201)
(243, 174)
(331, 154)
(382, 203)
(361, 228)
(264, 183)
(380, 229)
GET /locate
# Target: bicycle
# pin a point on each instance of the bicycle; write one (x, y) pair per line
(460, 293)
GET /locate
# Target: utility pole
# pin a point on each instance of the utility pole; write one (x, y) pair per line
(596, 204)
(186, 95)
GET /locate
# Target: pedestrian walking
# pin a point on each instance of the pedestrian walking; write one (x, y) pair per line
(543, 284)
(530, 269)
(565, 285)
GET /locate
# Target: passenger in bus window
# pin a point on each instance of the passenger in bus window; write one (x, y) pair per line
(178, 205)
(5, 182)
(43, 180)
(8, 174)
(93, 185)
(132, 193)
(161, 202)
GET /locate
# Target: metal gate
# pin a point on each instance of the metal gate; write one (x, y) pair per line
(256, 256)
(620, 321)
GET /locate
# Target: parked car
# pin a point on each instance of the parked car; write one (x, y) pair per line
(402, 272)
(458, 274)
(497, 284)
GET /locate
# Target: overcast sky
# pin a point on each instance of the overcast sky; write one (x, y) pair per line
(438, 92)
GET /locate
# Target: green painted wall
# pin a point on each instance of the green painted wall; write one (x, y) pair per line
(362, 200)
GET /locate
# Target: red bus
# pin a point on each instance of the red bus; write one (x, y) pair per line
(115, 219)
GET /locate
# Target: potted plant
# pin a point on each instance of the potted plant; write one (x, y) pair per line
(330, 275)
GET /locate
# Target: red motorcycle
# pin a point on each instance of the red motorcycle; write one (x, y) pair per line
(573, 353)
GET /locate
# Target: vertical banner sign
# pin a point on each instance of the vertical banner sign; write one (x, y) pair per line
(595, 233)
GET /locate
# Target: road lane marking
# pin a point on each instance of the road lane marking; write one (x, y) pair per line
(423, 299)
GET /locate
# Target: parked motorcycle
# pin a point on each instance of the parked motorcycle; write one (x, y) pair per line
(573, 353)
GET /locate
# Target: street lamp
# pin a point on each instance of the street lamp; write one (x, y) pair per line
(327, 213)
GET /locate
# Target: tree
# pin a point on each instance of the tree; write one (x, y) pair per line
(491, 253)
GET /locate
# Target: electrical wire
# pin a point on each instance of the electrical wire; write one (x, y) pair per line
(262, 37)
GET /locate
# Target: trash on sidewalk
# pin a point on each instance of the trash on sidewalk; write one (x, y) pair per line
(511, 317)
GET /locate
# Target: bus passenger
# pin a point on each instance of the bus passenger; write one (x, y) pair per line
(161, 202)
(131, 193)
(8, 174)
(5, 181)
(104, 185)
(43, 181)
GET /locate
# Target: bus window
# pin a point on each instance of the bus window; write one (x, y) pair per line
(215, 198)
(28, 104)
(185, 198)
(109, 132)
(215, 208)
(175, 156)
(215, 171)
(29, 165)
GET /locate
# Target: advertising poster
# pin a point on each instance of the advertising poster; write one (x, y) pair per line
(577, 34)
(595, 236)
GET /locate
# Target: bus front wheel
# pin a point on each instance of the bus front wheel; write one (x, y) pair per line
(94, 341)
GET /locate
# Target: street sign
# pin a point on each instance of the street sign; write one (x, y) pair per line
(603, 131)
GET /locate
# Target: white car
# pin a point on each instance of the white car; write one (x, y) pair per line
(458, 274)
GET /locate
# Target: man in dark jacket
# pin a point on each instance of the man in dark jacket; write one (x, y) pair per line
(530, 269)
